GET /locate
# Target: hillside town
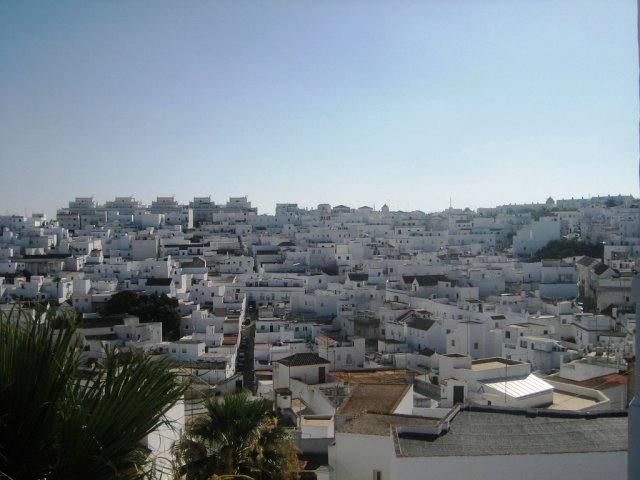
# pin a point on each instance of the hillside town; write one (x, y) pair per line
(499, 340)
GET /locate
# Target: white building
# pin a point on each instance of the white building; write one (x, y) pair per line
(496, 444)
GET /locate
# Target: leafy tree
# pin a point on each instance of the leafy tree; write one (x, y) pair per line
(59, 421)
(562, 248)
(237, 437)
(149, 308)
(536, 214)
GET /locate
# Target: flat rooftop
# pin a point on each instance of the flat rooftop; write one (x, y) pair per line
(484, 364)
(373, 376)
(316, 422)
(382, 398)
(602, 382)
(379, 424)
(570, 401)
(493, 364)
(480, 431)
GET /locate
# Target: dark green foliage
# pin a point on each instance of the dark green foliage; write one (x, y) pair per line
(331, 269)
(537, 213)
(237, 437)
(563, 248)
(148, 308)
(58, 421)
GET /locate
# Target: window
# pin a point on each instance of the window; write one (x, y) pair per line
(377, 475)
(475, 346)
(507, 334)
(453, 343)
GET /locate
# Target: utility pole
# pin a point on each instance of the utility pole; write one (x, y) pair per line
(597, 335)
(468, 340)
(506, 376)
(633, 460)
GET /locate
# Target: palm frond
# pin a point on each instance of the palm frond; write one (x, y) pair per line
(238, 436)
(64, 424)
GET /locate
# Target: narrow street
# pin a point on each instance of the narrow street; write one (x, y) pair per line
(245, 355)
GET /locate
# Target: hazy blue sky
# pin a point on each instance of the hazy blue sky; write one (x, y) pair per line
(354, 102)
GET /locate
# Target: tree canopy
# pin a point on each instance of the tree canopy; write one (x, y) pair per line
(563, 248)
(148, 308)
(237, 436)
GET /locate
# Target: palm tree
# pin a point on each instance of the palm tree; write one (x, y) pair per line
(59, 421)
(237, 436)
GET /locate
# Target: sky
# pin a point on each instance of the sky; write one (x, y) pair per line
(410, 103)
